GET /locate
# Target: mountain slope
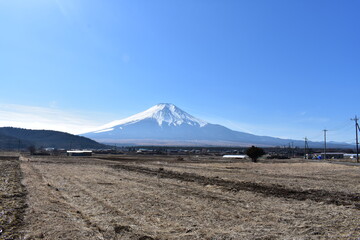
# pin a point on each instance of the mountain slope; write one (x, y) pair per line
(166, 124)
(12, 138)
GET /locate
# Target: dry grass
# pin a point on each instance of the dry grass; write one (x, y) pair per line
(152, 197)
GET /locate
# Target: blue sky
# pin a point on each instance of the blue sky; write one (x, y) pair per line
(278, 68)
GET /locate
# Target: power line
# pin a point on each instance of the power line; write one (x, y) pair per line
(340, 127)
(334, 131)
(316, 136)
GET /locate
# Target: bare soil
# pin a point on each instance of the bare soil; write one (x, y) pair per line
(12, 197)
(189, 197)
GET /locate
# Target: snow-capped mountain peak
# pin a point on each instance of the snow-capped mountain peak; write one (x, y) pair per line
(171, 115)
(163, 113)
(165, 124)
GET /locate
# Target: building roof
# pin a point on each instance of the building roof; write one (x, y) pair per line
(79, 151)
(234, 156)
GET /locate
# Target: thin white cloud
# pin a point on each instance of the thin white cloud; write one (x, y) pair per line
(33, 117)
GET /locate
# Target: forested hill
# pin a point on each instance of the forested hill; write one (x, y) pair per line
(14, 138)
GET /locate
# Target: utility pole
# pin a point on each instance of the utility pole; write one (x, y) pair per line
(289, 150)
(357, 140)
(325, 143)
(306, 148)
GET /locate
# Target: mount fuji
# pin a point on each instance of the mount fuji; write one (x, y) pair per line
(166, 124)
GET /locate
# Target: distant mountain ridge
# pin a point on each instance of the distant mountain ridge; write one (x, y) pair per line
(166, 124)
(14, 138)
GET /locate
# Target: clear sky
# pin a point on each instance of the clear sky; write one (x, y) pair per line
(278, 68)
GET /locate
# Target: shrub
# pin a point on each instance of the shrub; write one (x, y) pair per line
(254, 153)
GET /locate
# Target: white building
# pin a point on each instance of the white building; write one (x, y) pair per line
(236, 156)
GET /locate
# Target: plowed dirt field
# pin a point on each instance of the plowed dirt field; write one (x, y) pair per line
(164, 197)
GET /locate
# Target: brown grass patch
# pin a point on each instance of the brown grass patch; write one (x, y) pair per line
(156, 197)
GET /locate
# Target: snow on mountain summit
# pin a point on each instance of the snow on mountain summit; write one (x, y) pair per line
(172, 115)
(163, 113)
